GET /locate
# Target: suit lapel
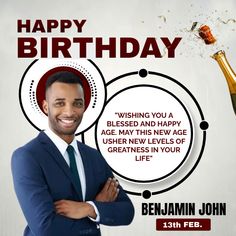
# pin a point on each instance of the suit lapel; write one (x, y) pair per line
(51, 148)
(87, 171)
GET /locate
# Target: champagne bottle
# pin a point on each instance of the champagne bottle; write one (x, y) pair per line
(229, 74)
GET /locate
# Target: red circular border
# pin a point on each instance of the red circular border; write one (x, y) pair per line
(40, 91)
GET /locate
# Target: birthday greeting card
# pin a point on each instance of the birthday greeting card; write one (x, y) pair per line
(160, 103)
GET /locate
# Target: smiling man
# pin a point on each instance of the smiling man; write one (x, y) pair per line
(64, 187)
(64, 105)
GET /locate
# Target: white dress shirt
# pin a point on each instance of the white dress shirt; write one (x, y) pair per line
(62, 146)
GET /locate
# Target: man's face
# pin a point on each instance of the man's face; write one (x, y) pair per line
(64, 106)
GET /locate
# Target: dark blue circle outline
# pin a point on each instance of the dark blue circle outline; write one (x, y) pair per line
(19, 95)
(190, 172)
(182, 86)
(202, 117)
(28, 119)
(191, 128)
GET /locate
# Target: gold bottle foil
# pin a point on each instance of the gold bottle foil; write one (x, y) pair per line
(229, 74)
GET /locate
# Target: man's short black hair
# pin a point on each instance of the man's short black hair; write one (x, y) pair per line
(63, 77)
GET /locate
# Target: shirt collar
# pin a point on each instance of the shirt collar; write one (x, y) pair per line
(60, 143)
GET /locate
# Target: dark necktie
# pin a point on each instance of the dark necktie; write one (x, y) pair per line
(74, 170)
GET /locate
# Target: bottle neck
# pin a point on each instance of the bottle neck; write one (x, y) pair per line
(227, 70)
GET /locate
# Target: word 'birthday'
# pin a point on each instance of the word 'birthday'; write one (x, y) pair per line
(38, 41)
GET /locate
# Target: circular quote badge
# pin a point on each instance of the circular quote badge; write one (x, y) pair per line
(32, 90)
(145, 133)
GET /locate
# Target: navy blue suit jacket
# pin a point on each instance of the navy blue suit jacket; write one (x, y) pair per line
(41, 176)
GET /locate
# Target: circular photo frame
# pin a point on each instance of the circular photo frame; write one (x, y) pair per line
(32, 90)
